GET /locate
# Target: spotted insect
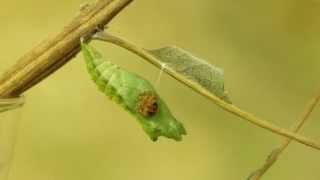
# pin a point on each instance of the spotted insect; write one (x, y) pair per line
(133, 93)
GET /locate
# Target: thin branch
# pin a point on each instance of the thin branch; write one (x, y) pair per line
(273, 156)
(54, 52)
(104, 36)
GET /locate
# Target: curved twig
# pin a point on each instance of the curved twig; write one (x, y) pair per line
(104, 36)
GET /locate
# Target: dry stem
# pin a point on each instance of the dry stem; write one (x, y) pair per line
(54, 52)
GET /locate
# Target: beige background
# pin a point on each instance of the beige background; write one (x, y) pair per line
(270, 53)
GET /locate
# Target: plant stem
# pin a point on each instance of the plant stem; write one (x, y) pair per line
(273, 156)
(104, 36)
(55, 51)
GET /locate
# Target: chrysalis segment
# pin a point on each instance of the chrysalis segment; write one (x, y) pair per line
(135, 94)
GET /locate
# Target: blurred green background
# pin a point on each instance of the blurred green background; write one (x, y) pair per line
(268, 49)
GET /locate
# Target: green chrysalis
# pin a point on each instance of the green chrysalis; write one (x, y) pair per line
(135, 94)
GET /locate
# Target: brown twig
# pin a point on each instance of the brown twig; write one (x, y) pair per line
(54, 52)
(105, 36)
(273, 156)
